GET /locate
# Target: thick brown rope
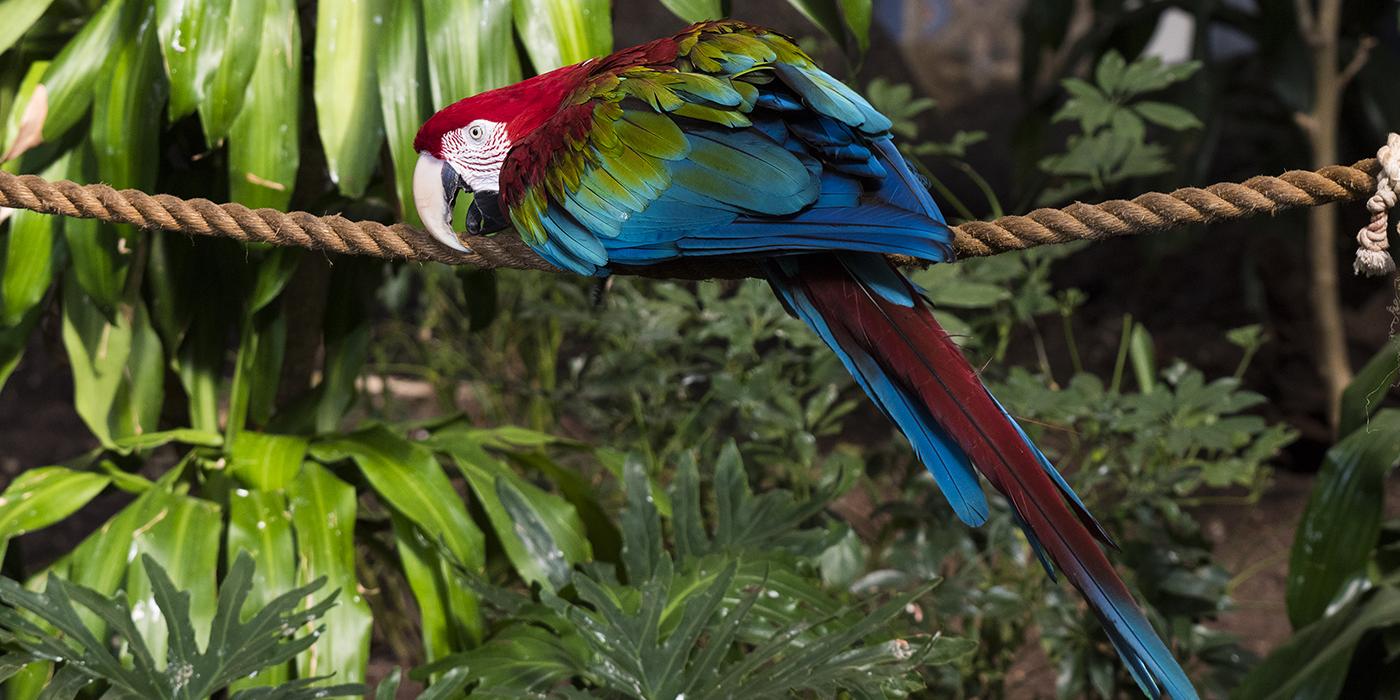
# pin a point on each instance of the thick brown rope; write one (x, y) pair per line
(1147, 213)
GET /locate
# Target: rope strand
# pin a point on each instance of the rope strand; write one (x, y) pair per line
(1148, 213)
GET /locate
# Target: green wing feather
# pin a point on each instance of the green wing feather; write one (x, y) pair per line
(629, 151)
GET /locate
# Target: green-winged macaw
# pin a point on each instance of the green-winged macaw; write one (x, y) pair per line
(726, 140)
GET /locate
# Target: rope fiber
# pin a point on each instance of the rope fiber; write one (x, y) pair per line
(1148, 213)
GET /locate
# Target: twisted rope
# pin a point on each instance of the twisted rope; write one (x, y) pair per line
(1147, 213)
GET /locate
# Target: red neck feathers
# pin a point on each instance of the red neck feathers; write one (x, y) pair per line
(523, 106)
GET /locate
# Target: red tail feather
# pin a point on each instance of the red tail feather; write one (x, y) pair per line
(914, 350)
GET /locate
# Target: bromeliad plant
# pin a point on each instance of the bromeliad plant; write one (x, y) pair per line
(732, 610)
(242, 640)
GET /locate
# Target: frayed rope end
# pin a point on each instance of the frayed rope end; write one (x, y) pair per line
(1373, 263)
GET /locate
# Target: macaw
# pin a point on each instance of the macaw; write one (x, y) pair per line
(727, 140)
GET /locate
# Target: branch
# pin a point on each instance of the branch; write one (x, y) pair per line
(1358, 61)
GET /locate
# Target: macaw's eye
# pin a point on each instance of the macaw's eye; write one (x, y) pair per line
(476, 132)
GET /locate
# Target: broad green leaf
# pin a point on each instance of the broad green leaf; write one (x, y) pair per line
(181, 539)
(540, 532)
(346, 92)
(409, 478)
(73, 76)
(141, 394)
(1368, 389)
(100, 561)
(98, 353)
(1312, 663)
(41, 497)
(603, 536)
(562, 32)
(33, 252)
(200, 368)
(99, 253)
(126, 109)
(185, 436)
(641, 523)
(167, 275)
(441, 596)
(323, 515)
(262, 342)
(16, 17)
(266, 462)
(266, 368)
(1167, 115)
(181, 25)
(12, 342)
(264, 141)
(1110, 71)
(24, 123)
(449, 686)
(11, 663)
(1342, 521)
(522, 658)
(256, 373)
(695, 10)
(506, 437)
(403, 94)
(826, 14)
(66, 684)
(471, 48)
(389, 687)
(32, 256)
(260, 526)
(273, 272)
(237, 52)
(346, 339)
(1143, 358)
(858, 14)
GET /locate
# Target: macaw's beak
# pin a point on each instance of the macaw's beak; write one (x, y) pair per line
(484, 215)
(435, 187)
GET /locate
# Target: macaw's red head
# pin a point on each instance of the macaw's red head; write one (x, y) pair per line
(464, 146)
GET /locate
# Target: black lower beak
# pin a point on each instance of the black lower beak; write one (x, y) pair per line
(485, 216)
(451, 185)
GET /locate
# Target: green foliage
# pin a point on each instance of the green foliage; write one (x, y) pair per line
(745, 586)
(48, 627)
(1112, 145)
(660, 367)
(1344, 576)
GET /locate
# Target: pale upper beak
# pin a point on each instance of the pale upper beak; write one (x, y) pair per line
(435, 187)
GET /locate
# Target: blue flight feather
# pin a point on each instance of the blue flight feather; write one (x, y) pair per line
(949, 467)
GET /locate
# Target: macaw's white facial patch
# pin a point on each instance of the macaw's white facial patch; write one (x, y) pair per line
(477, 151)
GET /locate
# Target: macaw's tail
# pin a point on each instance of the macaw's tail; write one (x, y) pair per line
(887, 337)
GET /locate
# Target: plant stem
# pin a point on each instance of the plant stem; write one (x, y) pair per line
(1070, 342)
(1321, 28)
(1122, 360)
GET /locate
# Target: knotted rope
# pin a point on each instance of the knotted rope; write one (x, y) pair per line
(1147, 213)
(1372, 247)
